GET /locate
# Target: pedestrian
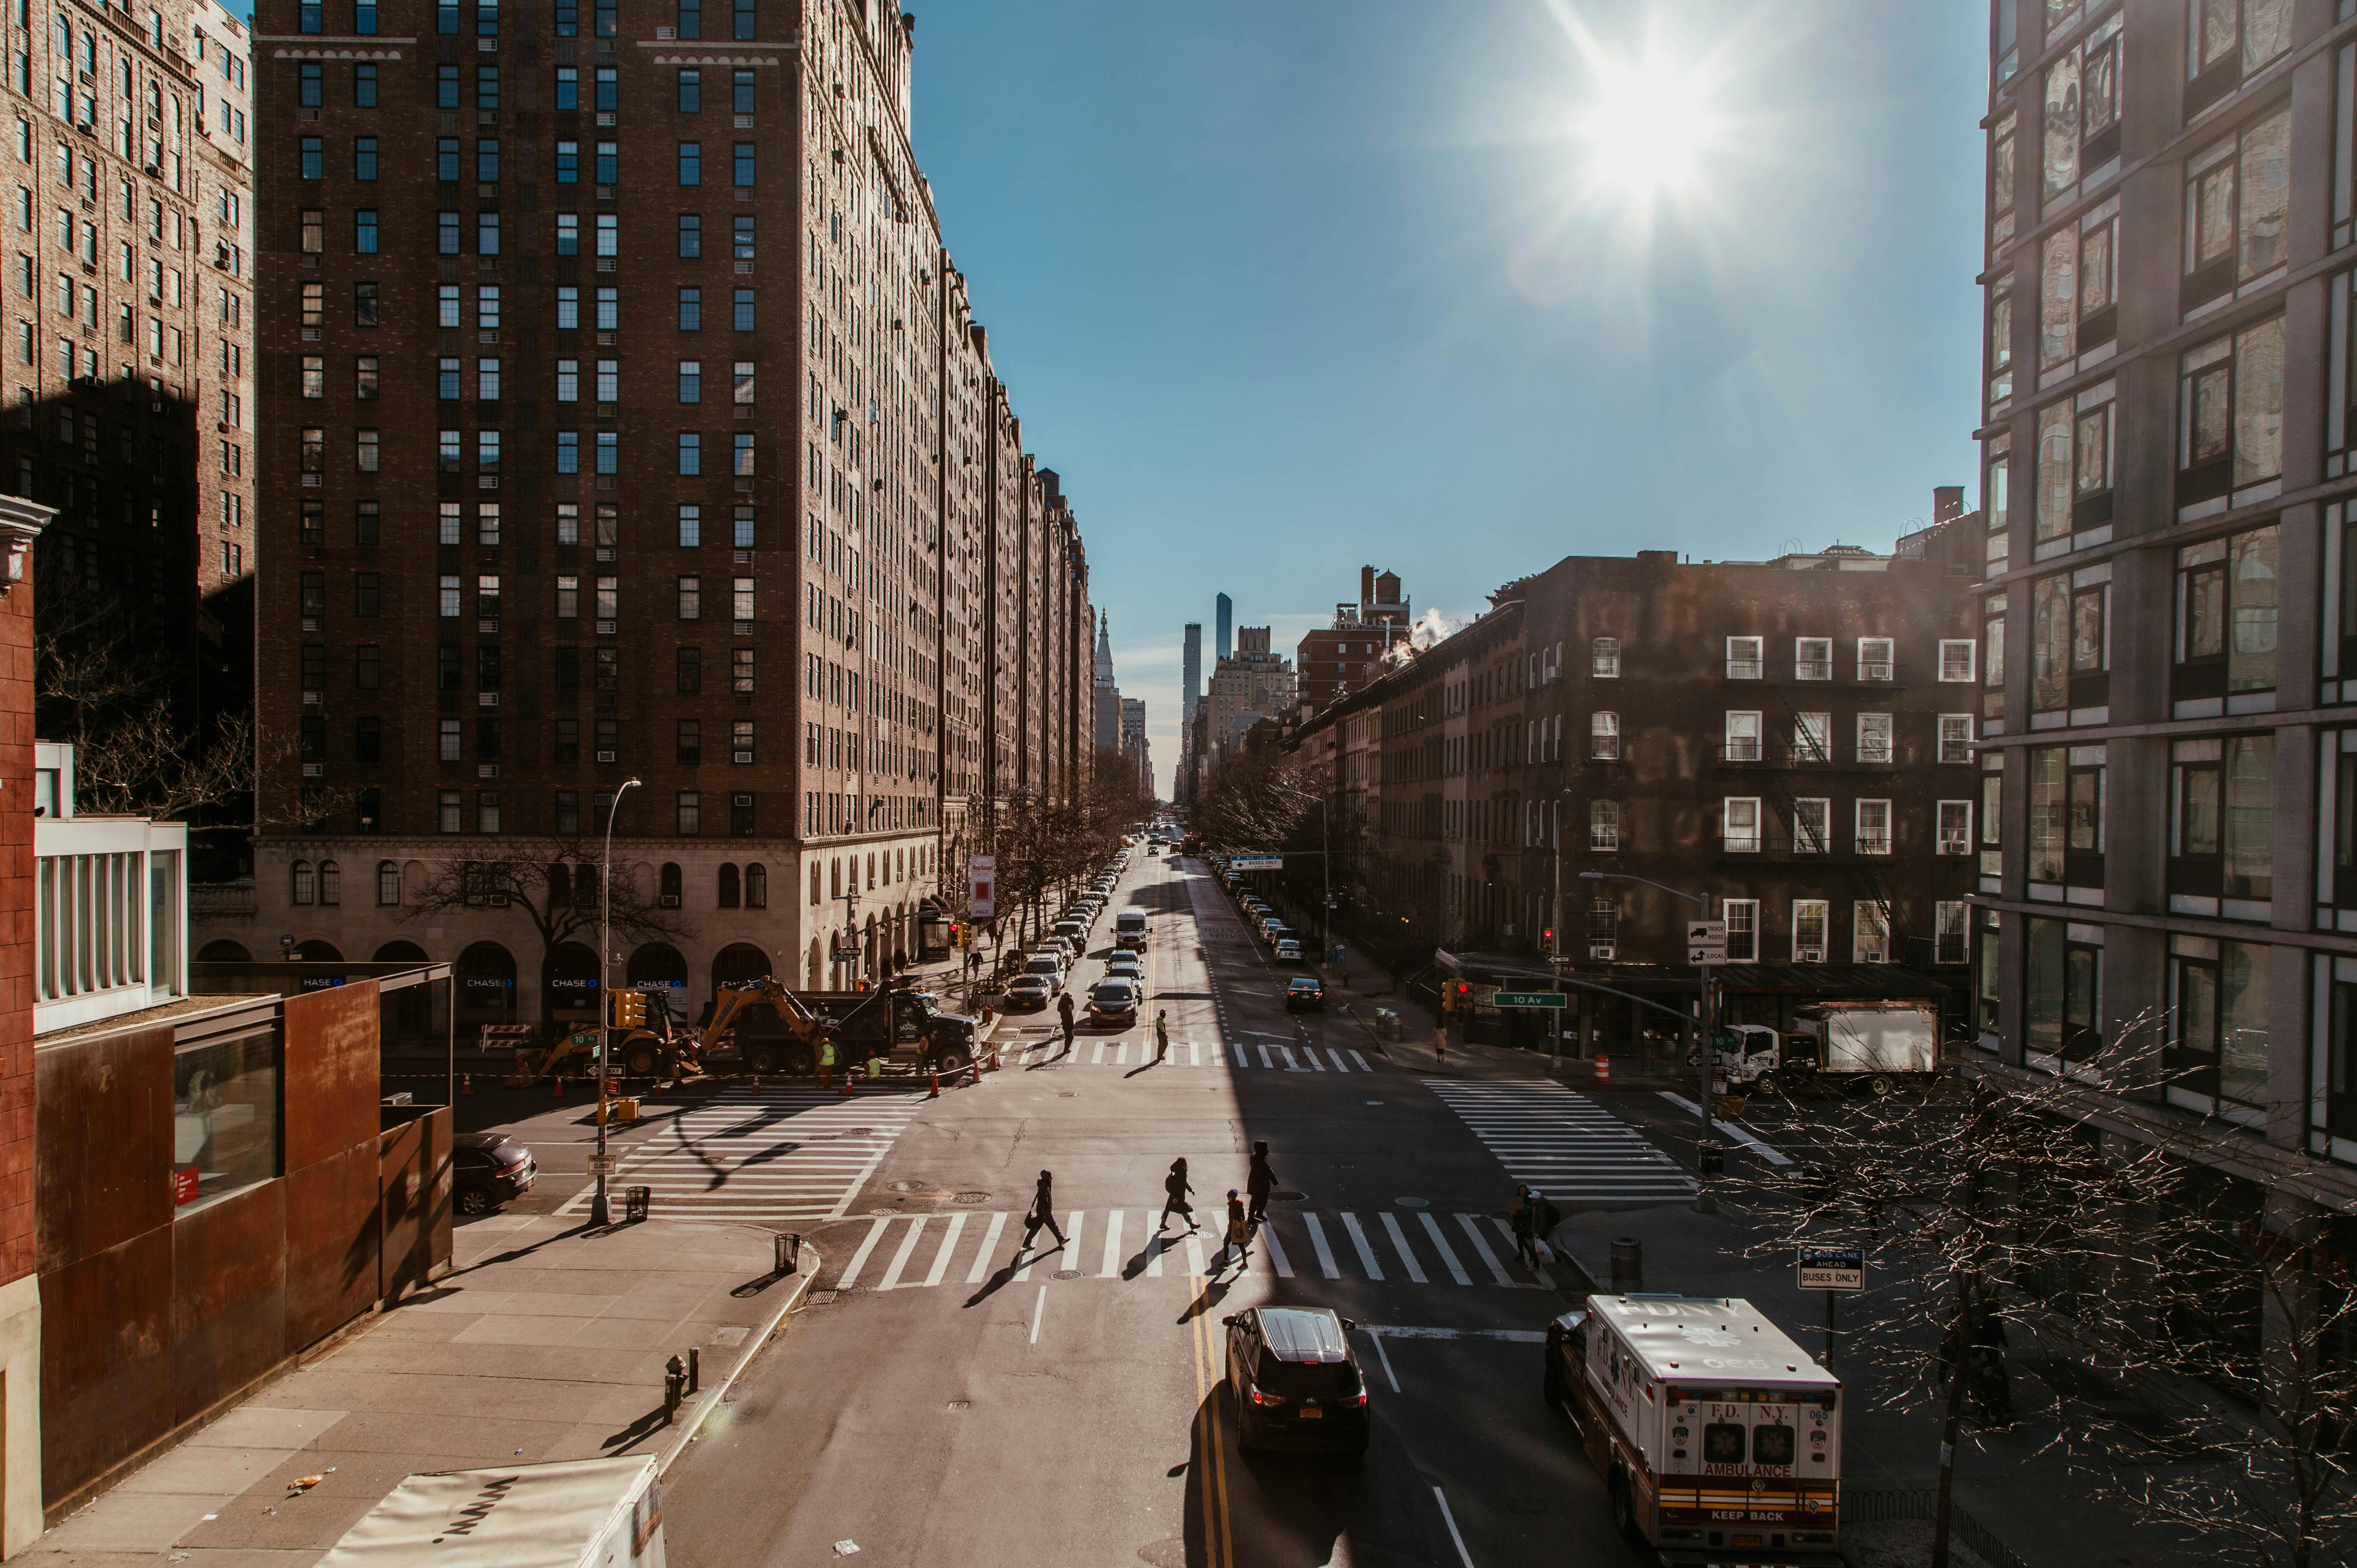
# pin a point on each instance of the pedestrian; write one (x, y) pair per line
(1161, 1033)
(1043, 1211)
(825, 1062)
(1992, 1395)
(1064, 1011)
(1544, 1218)
(1175, 1186)
(1518, 1219)
(1259, 1182)
(1239, 1240)
(1440, 1041)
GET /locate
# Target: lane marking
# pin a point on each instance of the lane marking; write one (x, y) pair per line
(941, 1259)
(1510, 1336)
(1740, 1133)
(1111, 1266)
(1311, 1052)
(1155, 1248)
(1362, 1061)
(1263, 1059)
(1036, 1313)
(984, 1253)
(1463, 1555)
(1277, 1257)
(1359, 1239)
(1325, 1253)
(1385, 1357)
(1399, 1243)
(891, 1279)
(1195, 1255)
(1340, 1065)
(859, 1259)
(1473, 1231)
(1447, 1254)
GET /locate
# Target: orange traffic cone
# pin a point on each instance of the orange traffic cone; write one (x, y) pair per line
(467, 1084)
(557, 1087)
(936, 1093)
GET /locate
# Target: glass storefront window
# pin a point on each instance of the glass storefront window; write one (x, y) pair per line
(225, 1116)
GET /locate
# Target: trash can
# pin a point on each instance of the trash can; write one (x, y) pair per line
(789, 1253)
(1712, 1157)
(635, 1202)
(1628, 1265)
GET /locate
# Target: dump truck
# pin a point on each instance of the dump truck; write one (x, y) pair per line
(1718, 1437)
(1869, 1045)
(573, 1513)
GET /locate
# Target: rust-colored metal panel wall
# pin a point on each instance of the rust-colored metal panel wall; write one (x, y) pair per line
(228, 1296)
(402, 1179)
(17, 1133)
(332, 1083)
(332, 1244)
(106, 1384)
(441, 1191)
(103, 1153)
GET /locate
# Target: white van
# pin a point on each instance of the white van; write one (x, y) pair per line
(1129, 930)
(575, 1513)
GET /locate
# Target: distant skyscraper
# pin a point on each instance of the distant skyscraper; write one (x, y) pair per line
(1107, 716)
(1194, 675)
(1227, 619)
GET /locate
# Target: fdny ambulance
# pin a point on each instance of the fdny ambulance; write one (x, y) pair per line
(1718, 1438)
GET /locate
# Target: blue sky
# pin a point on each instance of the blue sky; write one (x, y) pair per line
(1284, 289)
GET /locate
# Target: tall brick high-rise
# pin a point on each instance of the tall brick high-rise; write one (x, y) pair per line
(645, 434)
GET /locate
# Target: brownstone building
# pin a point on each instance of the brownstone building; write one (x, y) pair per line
(643, 434)
(1334, 661)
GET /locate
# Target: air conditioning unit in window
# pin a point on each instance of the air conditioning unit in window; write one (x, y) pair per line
(487, 770)
(1599, 950)
(314, 770)
(1808, 955)
(605, 757)
(666, 33)
(670, 900)
(740, 756)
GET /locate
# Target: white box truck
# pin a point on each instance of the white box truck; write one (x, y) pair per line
(573, 1513)
(1719, 1439)
(1871, 1044)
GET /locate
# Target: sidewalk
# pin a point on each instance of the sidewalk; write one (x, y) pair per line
(2011, 1482)
(544, 1342)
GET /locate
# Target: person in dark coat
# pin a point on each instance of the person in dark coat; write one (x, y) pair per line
(1064, 1011)
(1239, 1237)
(1043, 1211)
(1259, 1182)
(1175, 1186)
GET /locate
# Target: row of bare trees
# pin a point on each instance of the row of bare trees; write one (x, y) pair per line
(2018, 1211)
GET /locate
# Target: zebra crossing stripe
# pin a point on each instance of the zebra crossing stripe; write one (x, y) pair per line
(1362, 1061)
(1325, 1253)
(1399, 1244)
(1263, 1059)
(1277, 1257)
(1440, 1244)
(1366, 1254)
(1195, 1255)
(1194, 1054)
(941, 1259)
(900, 1259)
(1473, 1233)
(987, 1250)
(1154, 1249)
(1311, 1052)
(859, 1258)
(1111, 1266)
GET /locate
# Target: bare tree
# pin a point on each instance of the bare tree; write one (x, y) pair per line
(554, 885)
(1256, 798)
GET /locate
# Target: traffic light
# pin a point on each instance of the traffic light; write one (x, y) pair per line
(630, 1010)
(1456, 996)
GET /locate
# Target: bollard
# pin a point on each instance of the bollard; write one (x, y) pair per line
(936, 1093)
(695, 1370)
(1603, 1069)
(674, 1379)
(789, 1253)
(1628, 1266)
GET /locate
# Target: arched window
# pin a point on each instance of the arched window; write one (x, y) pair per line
(813, 885)
(388, 883)
(331, 882)
(728, 886)
(560, 886)
(835, 877)
(756, 887)
(669, 898)
(304, 882)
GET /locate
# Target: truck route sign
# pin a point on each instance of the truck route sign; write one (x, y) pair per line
(1832, 1268)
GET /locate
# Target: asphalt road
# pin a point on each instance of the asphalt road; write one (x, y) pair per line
(948, 1406)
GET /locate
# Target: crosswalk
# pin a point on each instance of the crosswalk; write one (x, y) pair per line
(918, 1251)
(767, 1156)
(1267, 1056)
(1562, 1144)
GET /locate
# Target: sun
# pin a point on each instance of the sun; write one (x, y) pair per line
(1648, 125)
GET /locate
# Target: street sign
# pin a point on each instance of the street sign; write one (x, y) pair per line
(1706, 942)
(1257, 862)
(982, 879)
(1832, 1268)
(604, 1165)
(1528, 998)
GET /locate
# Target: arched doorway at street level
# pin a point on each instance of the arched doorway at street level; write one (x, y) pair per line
(486, 973)
(570, 986)
(656, 972)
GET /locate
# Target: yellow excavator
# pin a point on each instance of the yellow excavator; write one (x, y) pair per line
(575, 1053)
(644, 1053)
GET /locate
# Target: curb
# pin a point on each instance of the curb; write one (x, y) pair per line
(720, 1391)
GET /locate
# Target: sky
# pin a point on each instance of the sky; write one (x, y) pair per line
(1283, 289)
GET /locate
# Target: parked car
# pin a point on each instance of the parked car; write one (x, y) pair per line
(1306, 993)
(1063, 948)
(489, 1169)
(1288, 951)
(1048, 967)
(1125, 966)
(1074, 931)
(1027, 991)
(1114, 1002)
(1296, 1381)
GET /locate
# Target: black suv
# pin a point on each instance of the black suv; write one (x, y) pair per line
(489, 1169)
(1296, 1381)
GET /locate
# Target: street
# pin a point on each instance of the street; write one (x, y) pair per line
(942, 1400)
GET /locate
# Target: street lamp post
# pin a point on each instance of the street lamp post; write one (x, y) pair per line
(600, 1214)
(1704, 1202)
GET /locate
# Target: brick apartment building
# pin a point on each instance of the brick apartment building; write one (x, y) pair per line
(1333, 661)
(645, 433)
(1792, 740)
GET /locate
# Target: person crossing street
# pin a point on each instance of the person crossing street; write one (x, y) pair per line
(1239, 1235)
(1175, 1186)
(1043, 1211)
(1161, 1033)
(1064, 1012)
(1259, 1182)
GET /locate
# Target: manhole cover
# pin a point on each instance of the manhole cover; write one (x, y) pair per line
(1066, 1275)
(971, 1198)
(1412, 1202)
(1285, 1195)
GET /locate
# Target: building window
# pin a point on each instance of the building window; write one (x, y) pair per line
(740, 601)
(1604, 659)
(1810, 918)
(1874, 742)
(2078, 288)
(1812, 737)
(2081, 109)
(1742, 737)
(2226, 597)
(2062, 993)
(1951, 936)
(757, 875)
(449, 811)
(1604, 737)
(691, 163)
(388, 883)
(1742, 917)
(1811, 825)
(452, 741)
(691, 598)
(1744, 660)
(1813, 659)
(1869, 932)
(1873, 824)
(2217, 1011)
(2229, 420)
(1741, 815)
(1874, 659)
(689, 743)
(305, 883)
(1956, 658)
(1955, 738)
(487, 810)
(225, 1106)
(1604, 823)
(2221, 830)
(1603, 930)
(691, 310)
(690, 813)
(1955, 827)
(740, 741)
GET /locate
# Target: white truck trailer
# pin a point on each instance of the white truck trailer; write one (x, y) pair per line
(573, 1513)
(1873, 1045)
(1718, 1437)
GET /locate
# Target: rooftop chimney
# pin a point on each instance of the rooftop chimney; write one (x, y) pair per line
(1947, 503)
(1366, 585)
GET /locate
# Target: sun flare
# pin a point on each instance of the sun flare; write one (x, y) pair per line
(1647, 126)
